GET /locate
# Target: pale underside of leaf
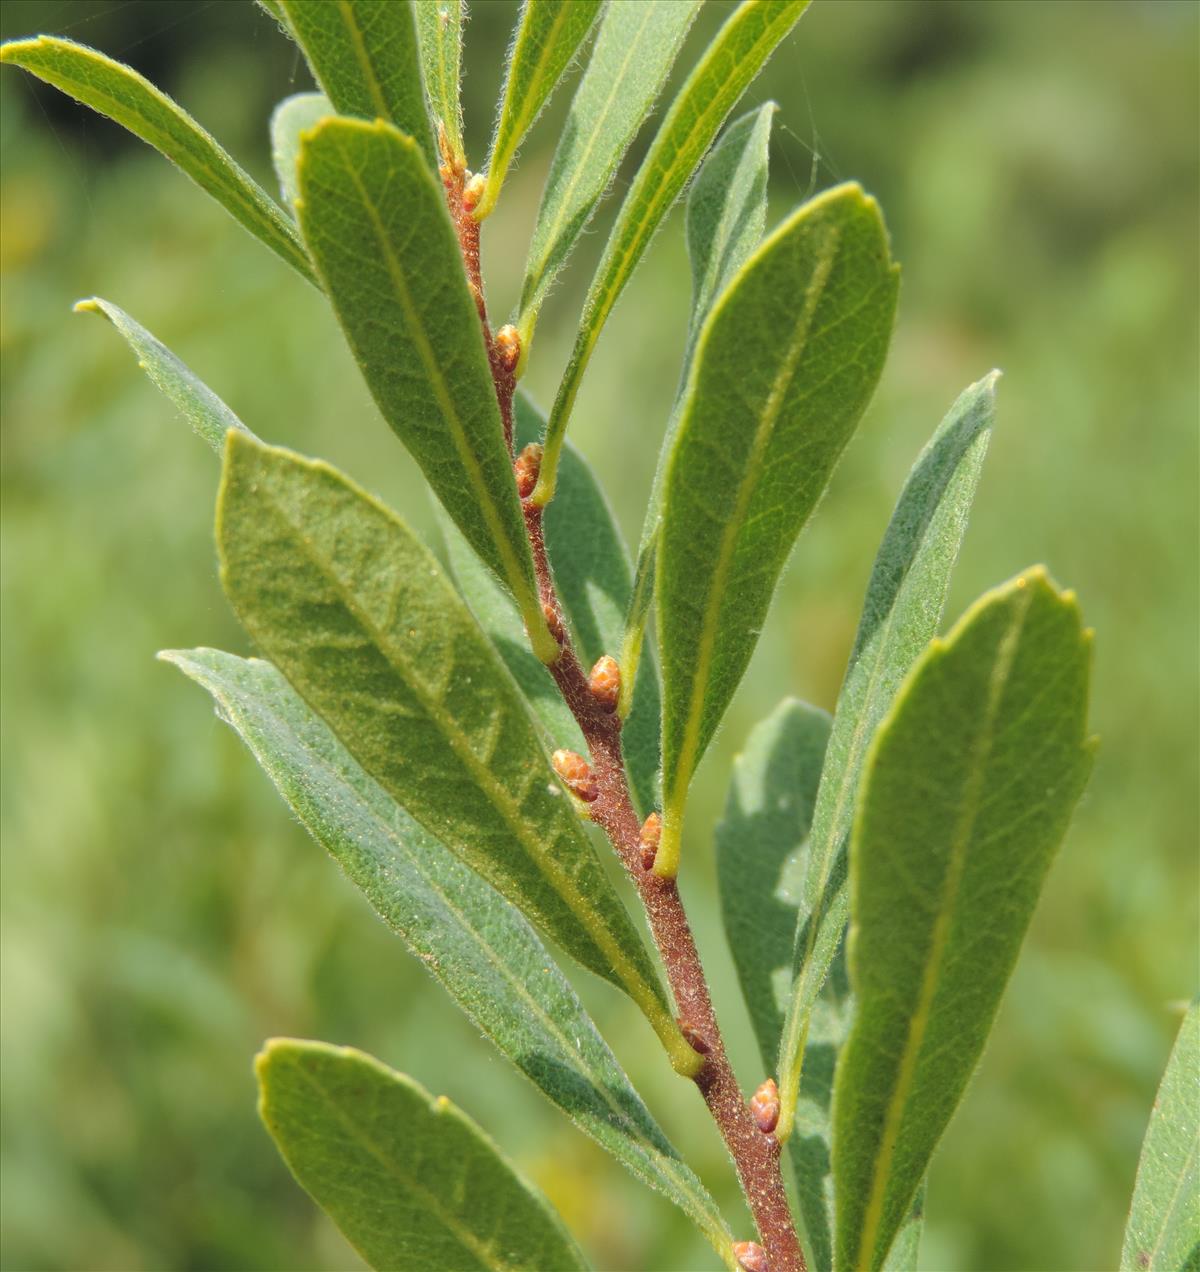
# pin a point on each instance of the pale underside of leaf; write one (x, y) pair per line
(482, 952)
(292, 117)
(748, 38)
(409, 1179)
(903, 607)
(132, 101)
(967, 790)
(784, 368)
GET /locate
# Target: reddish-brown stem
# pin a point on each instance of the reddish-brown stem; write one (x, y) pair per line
(755, 1154)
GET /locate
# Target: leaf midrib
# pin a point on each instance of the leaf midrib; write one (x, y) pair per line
(363, 58)
(524, 117)
(516, 575)
(482, 1251)
(729, 536)
(544, 863)
(981, 749)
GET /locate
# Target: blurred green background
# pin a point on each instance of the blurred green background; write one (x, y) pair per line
(1037, 163)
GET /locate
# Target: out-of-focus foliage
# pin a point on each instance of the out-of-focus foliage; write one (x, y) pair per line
(162, 916)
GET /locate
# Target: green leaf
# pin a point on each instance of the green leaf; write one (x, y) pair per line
(784, 367)
(635, 48)
(363, 53)
(294, 115)
(1163, 1232)
(726, 212)
(375, 220)
(128, 99)
(734, 58)
(591, 569)
(762, 847)
(967, 790)
(482, 952)
(439, 39)
(760, 843)
(198, 404)
(549, 35)
(901, 613)
(410, 1180)
(357, 614)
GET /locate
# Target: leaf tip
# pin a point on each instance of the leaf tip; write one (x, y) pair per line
(92, 305)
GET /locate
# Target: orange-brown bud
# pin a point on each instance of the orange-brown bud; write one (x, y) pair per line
(473, 190)
(751, 1256)
(694, 1038)
(651, 834)
(577, 774)
(605, 682)
(764, 1105)
(526, 467)
(508, 346)
(554, 622)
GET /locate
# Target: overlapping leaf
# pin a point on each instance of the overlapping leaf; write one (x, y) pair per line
(439, 39)
(734, 58)
(356, 613)
(483, 953)
(410, 1180)
(634, 51)
(966, 792)
(128, 99)
(363, 53)
(375, 220)
(1163, 1232)
(726, 212)
(901, 613)
(591, 569)
(785, 365)
(549, 34)
(292, 117)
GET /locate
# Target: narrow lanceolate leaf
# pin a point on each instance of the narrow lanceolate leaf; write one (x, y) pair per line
(635, 48)
(439, 40)
(410, 1180)
(358, 616)
(784, 368)
(726, 212)
(760, 845)
(128, 99)
(1163, 1232)
(376, 222)
(483, 953)
(732, 60)
(199, 405)
(294, 115)
(549, 35)
(900, 616)
(966, 792)
(591, 570)
(363, 54)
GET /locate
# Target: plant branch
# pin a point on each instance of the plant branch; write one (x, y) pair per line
(755, 1153)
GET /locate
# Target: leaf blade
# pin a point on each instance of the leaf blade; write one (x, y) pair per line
(1163, 1231)
(363, 54)
(903, 606)
(742, 46)
(634, 51)
(439, 38)
(486, 956)
(967, 790)
(357, 615)
(127, 98)
(726, 213)
(368, 197)
(549, 34)
(775, 394)
(448, 1199)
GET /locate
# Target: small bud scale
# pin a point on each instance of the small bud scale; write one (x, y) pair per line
(577, 774)
(605, 683)
(651, 833)
(508, 346)
(764, 1105)
(751, 1256)
(525, 469)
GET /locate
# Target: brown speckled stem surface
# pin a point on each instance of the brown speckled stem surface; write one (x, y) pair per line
(755, 1155)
